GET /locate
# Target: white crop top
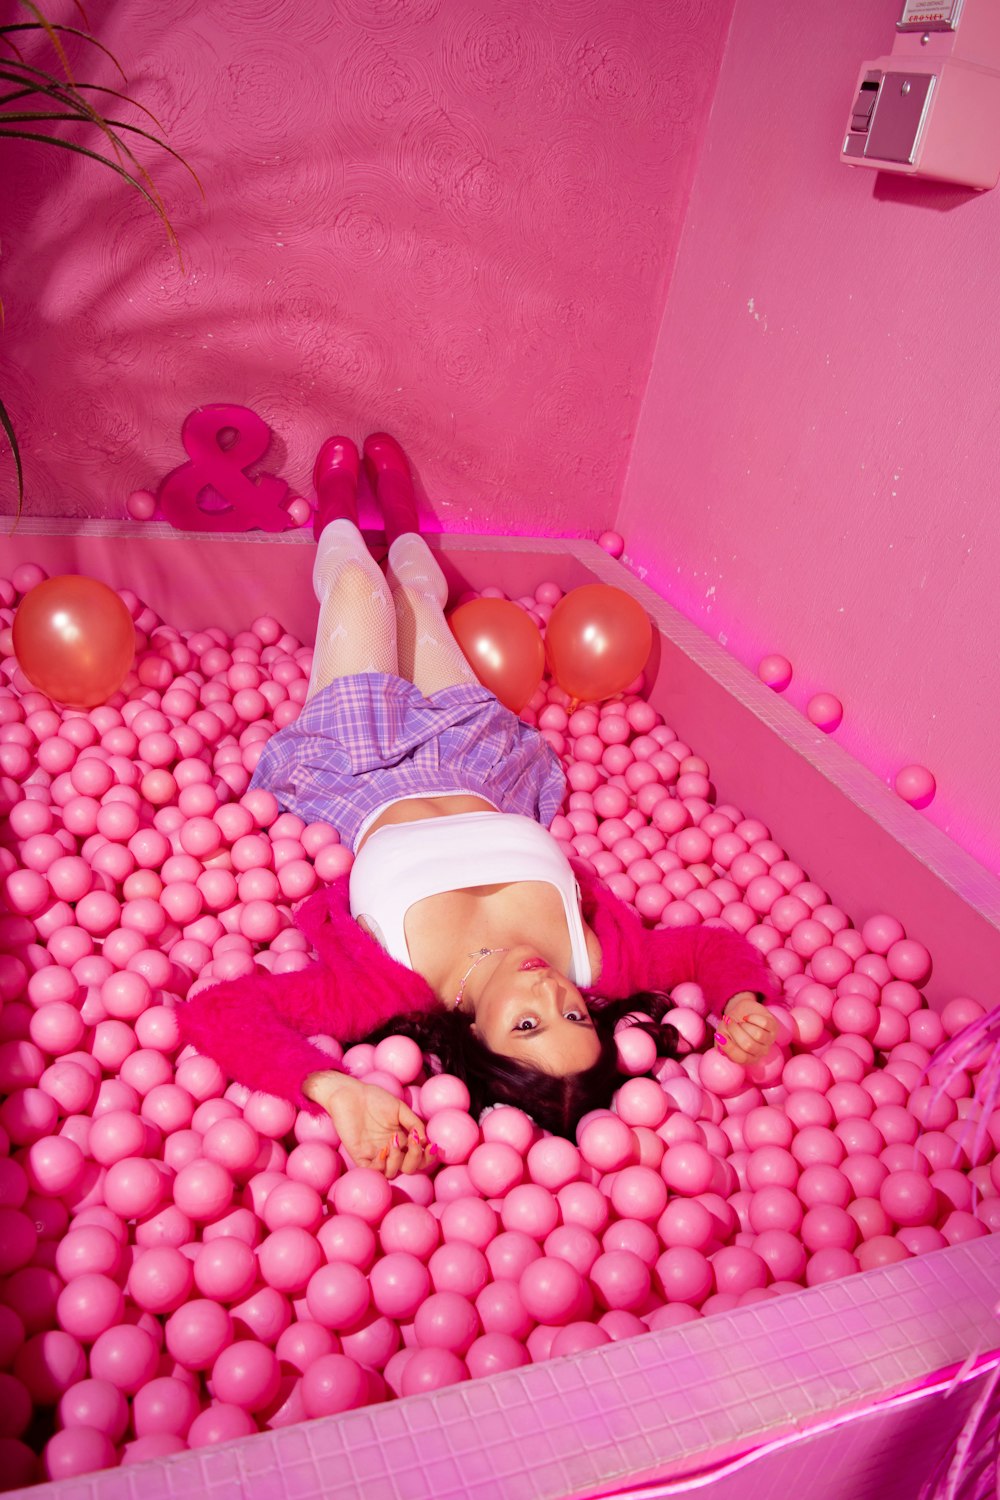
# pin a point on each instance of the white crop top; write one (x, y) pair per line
(402, 863)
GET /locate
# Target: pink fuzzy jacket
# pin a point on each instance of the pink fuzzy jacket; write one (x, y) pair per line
(257, 1028)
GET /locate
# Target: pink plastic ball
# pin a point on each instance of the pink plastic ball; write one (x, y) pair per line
(203, 1189)
(197, 1333)
(333, 1383)
(776, 671)
(160, 1279)
(687, 1168)
(431, 1370)
(246, 1374)
(409, 1227)
(612, 542)
(126, 1356)
(684, 1275)
(49, 1363)
(495, 1167)
(225, 1269)
(621, 1279)
(493, 1353)
(607, 1143)
(96, 1404)
(220, 1423)
(289, 1257)
(825, 711)
(509, 1125)
(446, 1320)
(641, 1101)
(552, 1290)
(738, 1269)
(76, 1451)
(348, 1238)
(453, 1131)
(338, 1295)
(636, 1050)
(638, 1192)
(89, 1248)
(400, 1056)
(553, 1162)
(469, 1220)
(916, 785)
(909, 960)
(363, 1193)
(909, 1198)
(531, 1209)
(164, 1405)
(89, 1304)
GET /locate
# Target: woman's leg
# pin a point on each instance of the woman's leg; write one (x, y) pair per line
(429, 655)
(357, 625)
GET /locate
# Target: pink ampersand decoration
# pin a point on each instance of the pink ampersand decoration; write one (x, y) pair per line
(216, 472)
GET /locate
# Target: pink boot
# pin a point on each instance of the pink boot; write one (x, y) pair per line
(335, 478)
(392, 484)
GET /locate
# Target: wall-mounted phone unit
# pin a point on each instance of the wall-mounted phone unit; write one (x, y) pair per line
(931, 108)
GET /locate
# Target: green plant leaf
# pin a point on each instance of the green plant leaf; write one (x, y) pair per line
(55, 140)
(67, 103)
(26, 117)
(69, 31)
(8, 428)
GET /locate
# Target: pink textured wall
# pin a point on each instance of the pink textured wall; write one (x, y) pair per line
(452, 219)
(814, 466)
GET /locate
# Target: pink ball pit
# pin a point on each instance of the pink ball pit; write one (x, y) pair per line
(270, 1282)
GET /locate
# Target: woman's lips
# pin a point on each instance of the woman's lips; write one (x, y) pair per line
(533, 963)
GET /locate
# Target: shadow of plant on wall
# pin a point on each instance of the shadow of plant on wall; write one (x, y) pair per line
(55, 109)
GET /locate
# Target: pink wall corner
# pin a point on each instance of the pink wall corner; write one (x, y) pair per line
(813, 471)
(453, 221)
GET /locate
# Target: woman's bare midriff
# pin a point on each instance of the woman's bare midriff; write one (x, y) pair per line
(418, 809)
(491, 913)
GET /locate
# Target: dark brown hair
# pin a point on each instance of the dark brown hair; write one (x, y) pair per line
(555, 1104)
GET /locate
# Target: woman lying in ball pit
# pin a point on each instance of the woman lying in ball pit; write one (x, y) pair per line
(462, 923)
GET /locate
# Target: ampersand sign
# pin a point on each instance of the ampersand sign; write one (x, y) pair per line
(212, 491)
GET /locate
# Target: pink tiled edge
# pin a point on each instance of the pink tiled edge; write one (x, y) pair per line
(653, 1408)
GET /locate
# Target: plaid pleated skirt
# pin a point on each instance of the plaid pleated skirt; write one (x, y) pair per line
(365, 741)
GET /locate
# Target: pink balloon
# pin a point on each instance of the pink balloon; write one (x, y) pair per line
(74, 639)
(503, 647)
(597, 641)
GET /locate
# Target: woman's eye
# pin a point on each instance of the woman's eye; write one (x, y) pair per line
(574, 1015)
(527, 1023)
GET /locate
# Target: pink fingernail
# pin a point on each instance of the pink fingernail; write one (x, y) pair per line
(720, 1041)
(434, 1150)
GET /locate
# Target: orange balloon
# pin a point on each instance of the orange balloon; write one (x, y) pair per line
(502, 646)
(74, 640)
(597, 641)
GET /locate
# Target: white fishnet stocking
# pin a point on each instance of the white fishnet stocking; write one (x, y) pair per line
(429, 655)
(356, 631)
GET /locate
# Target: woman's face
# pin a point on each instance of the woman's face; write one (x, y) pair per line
(531, 1012)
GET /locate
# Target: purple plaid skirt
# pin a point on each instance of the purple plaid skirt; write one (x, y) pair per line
(367, 740)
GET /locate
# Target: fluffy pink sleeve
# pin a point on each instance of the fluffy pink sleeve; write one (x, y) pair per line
(635, 957)
(256, 1028)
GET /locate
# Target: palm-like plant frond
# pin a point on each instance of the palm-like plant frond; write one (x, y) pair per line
(35, 98)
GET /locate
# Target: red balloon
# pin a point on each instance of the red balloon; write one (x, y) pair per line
(503, 647)
(74, 640)
(597, 641)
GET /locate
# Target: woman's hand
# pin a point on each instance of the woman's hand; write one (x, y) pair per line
(376, 1129)
(750, 1030)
